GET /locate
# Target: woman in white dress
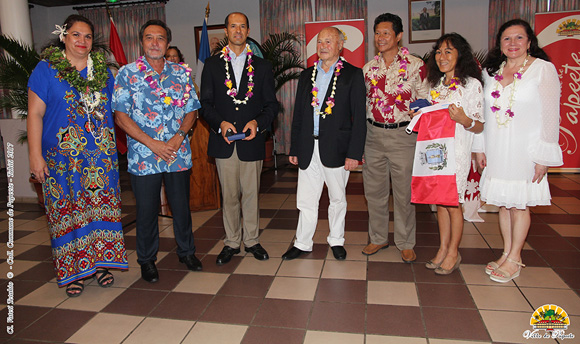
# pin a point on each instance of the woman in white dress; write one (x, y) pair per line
(455, 78)
(522, 108)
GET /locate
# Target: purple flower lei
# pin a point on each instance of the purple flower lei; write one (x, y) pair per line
(232, 92)
(330, 102)
(162, 93)
(496, 94)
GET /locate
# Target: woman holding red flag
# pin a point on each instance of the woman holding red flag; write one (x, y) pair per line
(455, 78)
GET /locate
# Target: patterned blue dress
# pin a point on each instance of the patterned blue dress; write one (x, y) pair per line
(82, 194)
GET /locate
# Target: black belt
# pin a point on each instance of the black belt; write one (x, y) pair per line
(315, 137)
(388, 125)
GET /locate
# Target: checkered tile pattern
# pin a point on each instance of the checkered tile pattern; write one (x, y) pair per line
(313, 299)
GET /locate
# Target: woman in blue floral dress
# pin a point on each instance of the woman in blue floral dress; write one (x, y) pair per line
(72, 151)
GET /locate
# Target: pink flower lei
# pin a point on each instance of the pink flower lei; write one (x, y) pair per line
(162, 93)
(330, 101)
(509, 114)
(232, 92)
(382, 105)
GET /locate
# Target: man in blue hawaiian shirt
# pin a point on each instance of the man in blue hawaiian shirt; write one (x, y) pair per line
(156, 105)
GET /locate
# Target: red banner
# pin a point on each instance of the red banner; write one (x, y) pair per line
(354, 46)
(559, 35)
(116, 46)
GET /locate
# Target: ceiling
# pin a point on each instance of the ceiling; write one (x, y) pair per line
(55, 3)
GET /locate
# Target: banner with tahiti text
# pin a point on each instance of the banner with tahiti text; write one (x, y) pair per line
(559, 35)
(354, 46)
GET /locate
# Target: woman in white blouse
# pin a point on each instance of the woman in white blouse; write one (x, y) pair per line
(522, 97)
(455, 77)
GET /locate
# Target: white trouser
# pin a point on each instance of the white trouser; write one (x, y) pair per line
(310, 184)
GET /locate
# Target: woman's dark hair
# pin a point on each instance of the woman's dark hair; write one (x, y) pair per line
(466, 65)
(179, 54)
(158, 23)
(495, 57)
(391, 18)
(69, 22)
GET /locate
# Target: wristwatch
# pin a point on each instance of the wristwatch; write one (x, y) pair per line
(181, 133)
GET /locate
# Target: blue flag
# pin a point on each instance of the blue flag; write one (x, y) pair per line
(204, 53)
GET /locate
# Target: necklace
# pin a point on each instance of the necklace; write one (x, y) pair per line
(384, 108)
(89, 88)
(162, 93)
(441, 87)
(330, 101)
(509, 114)
(232, 92)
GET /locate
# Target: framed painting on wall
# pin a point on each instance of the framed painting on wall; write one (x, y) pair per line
(426, 20)
(215, 34)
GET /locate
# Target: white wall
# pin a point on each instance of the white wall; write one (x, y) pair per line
(466, 17)
(43, 20)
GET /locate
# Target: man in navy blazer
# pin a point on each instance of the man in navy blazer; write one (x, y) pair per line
(328, 136)
(238, 97)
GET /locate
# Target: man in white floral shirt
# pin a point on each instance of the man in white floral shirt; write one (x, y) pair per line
(393, 79)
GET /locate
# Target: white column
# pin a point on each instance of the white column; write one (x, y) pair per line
(15, 20)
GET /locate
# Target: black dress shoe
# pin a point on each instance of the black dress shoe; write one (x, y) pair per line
(191, 262)
(339, 252)
(292, 253)
(226, 255)
(149, 272)
(258, 252)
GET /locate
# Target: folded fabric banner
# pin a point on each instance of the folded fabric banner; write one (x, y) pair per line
(434, 165)
(472, 199)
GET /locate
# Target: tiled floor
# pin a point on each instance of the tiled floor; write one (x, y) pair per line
(315, 299)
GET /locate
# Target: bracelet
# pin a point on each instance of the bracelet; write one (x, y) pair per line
(472, 125)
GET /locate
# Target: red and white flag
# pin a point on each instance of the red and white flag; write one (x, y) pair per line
(119, 53)
(116, 45)
(434, 165)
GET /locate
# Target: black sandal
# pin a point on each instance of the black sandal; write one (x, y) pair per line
(75, 289)
(104, 278)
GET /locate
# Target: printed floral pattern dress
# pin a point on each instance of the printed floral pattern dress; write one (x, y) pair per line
(82, 193)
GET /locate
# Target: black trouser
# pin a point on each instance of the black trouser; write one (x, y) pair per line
(147, 194)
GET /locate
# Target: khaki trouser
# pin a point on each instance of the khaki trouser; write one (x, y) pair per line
(389, 156)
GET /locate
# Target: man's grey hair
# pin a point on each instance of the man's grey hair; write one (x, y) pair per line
(338, 32)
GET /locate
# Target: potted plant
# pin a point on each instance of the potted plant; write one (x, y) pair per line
(16, 65)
